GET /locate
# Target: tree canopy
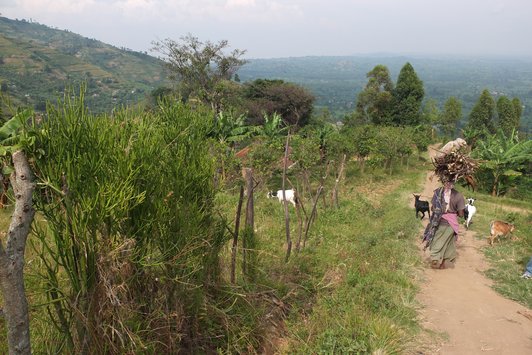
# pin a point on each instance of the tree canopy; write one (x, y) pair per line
(373, 103)
(266, 97)
(481, 118)
(200, 67)
(506, 115)
(450, 116)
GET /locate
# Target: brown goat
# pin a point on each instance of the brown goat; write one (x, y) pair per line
(499, 229)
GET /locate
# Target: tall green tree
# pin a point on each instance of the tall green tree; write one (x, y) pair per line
(200, 67)
(481, 118)
(506, 115)
(518, 111)
(431, 112)
(373, 103)
(407, 98)
(450, 116)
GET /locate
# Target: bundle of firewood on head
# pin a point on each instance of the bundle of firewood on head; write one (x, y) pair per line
(453, 163)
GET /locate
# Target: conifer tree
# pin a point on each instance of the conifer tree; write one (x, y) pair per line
(481, 118)
(506, 115)
(407, 98)
(450, 116)
(518, 111)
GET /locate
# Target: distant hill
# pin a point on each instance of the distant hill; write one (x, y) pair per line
(37, 63)
(336, 81)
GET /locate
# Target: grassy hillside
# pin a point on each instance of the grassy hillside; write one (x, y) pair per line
(336, 81)
(37, 63)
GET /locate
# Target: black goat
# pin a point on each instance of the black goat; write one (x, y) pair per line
(421, 206)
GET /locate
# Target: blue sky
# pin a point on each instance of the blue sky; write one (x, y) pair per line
(285, 28)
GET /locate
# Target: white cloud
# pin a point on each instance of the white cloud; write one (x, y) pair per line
(237, 3)
(55, 6)
(294, 27)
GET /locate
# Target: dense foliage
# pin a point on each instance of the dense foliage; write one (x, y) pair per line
(137, 209)
(266, 97)
(128, 204)
(200, 68)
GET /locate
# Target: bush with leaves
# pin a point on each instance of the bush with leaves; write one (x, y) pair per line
(306, 155)
(363, 139)
(129, 246)
(392, 142)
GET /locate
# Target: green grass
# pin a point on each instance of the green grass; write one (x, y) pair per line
(352, 289)
(508, 256)
(43, 334)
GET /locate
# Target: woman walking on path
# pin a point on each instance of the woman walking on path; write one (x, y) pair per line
(442, 231)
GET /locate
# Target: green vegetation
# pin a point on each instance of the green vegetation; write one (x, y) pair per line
(124, 222)
(407, 98)
(450, 116)
(373, 103)
(359, 296)
(508, 256)
(130, 251)
(337, 81)
(504, 165)
(37, 64)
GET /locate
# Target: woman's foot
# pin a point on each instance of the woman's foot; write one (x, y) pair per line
(435, 264)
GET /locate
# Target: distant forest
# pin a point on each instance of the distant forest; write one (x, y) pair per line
(336, 81)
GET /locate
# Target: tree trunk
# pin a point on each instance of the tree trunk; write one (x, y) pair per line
(235, 235)
(12, 259)
(495, 189)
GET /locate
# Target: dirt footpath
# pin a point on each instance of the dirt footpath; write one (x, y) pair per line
(460, 303)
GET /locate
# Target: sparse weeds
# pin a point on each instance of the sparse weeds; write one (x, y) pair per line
(361, 293)
(508, 257)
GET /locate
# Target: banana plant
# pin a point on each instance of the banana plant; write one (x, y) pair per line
(503, 157)
(9, 132)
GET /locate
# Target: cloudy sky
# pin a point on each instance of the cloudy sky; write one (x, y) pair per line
(284, 28)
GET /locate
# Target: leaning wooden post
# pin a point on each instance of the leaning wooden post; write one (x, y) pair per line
(285, 204)
(235, 234)
(313, 213)
(249, 230)
(12, 258)
(338, 178)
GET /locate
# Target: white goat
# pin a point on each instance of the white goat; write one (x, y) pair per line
(289, 194)
(469, 211)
